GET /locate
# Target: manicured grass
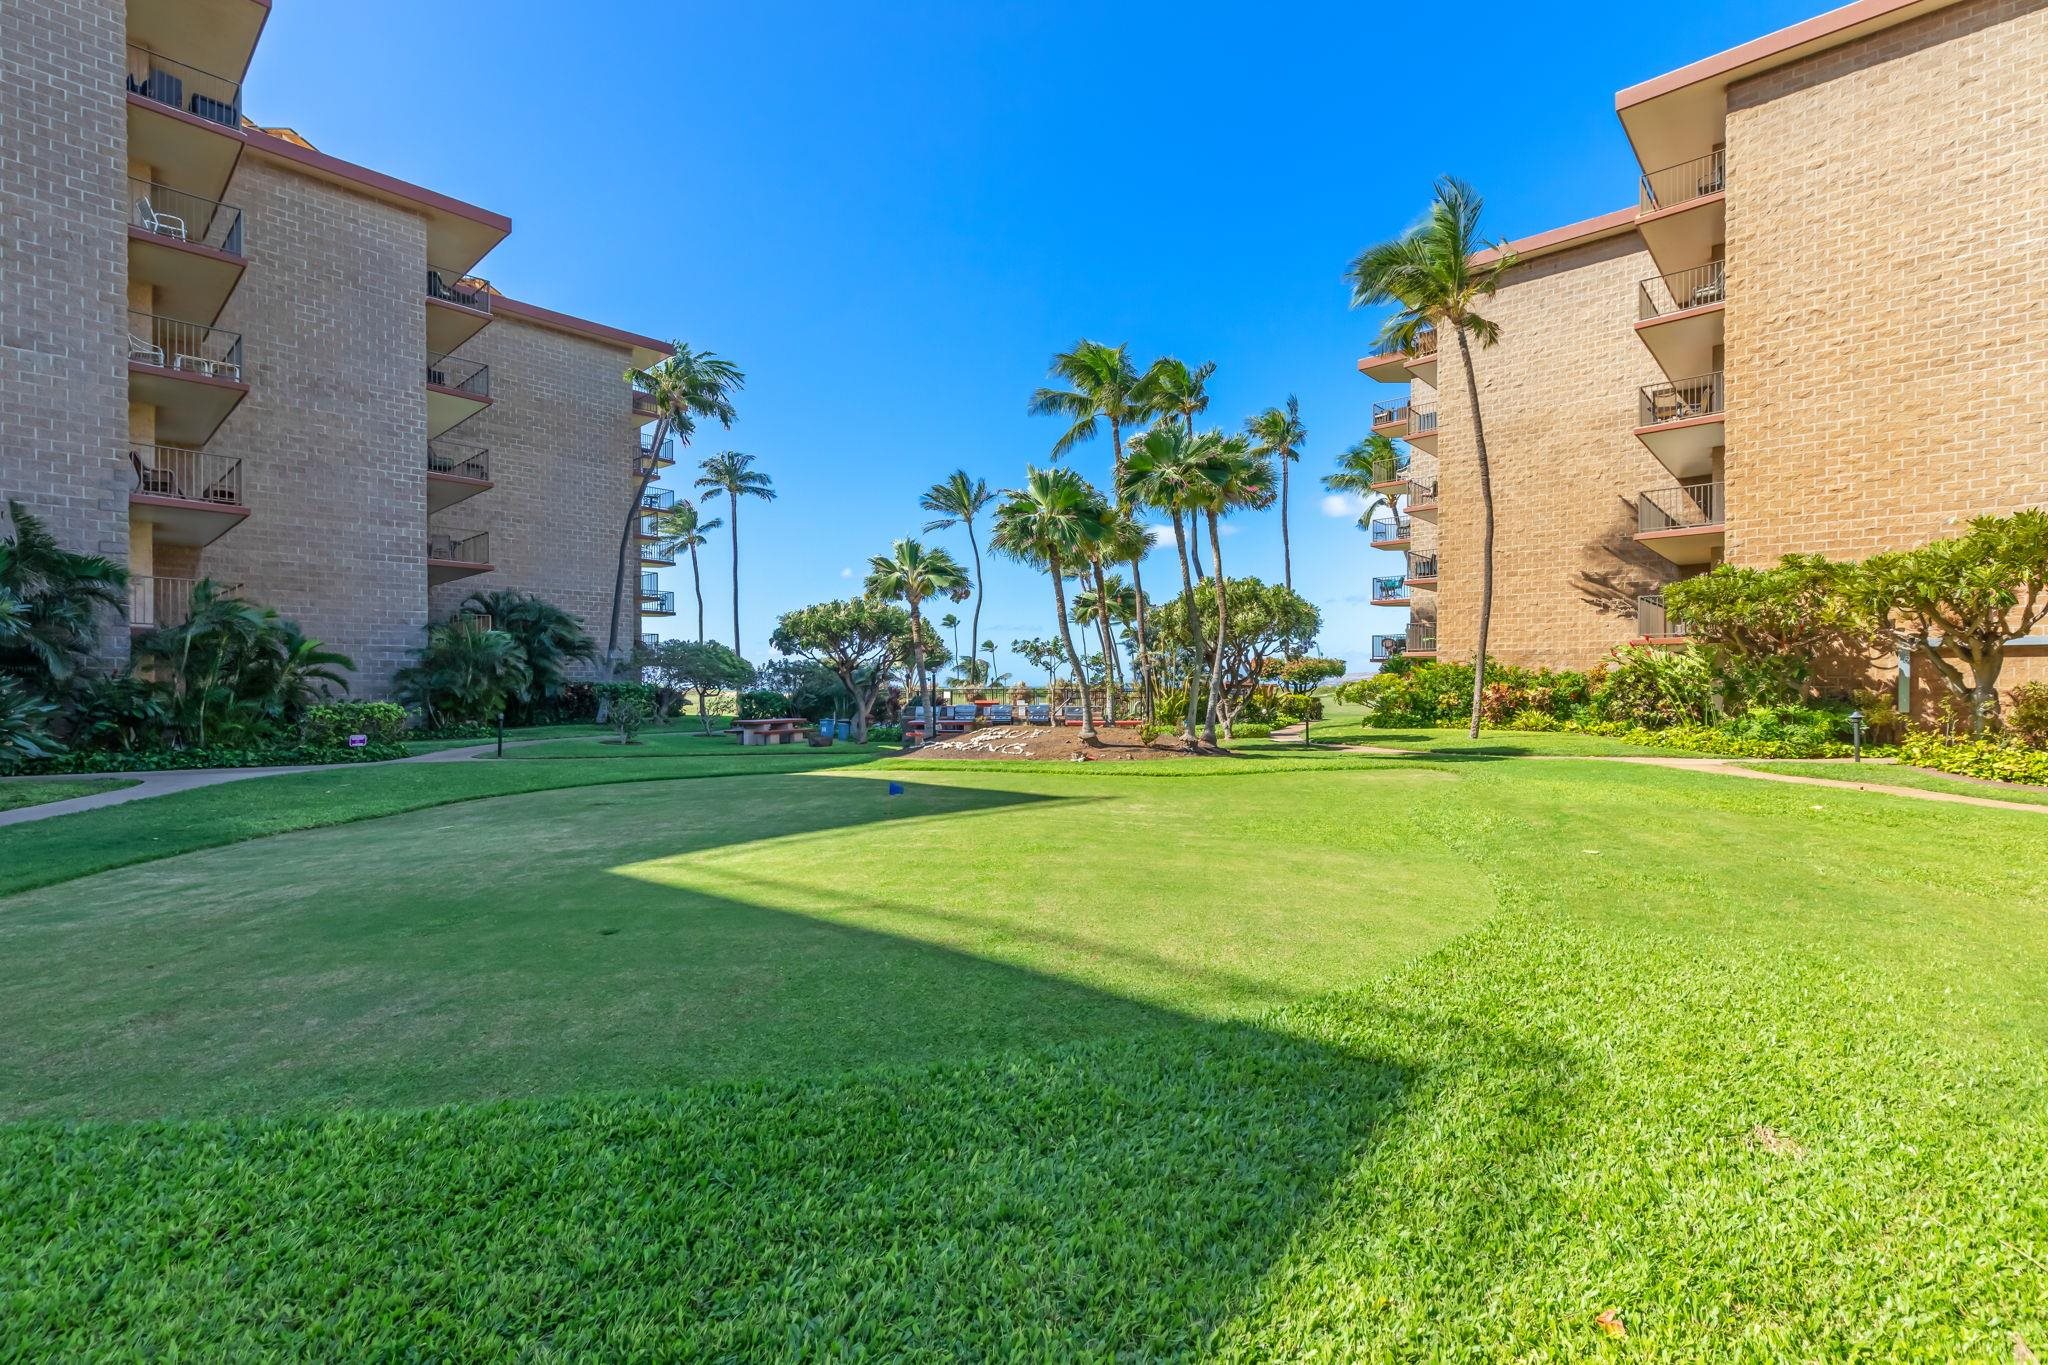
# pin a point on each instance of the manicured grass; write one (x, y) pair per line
(1382, 1059)
(567, 730)
(1920, 779)
(1344, 723)
(16, 794)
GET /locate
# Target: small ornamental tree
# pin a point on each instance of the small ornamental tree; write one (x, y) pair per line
(1960, 602)
(1306, 674)
(703, 667)
(1760, 629)
(858, 640)
(1269, 623)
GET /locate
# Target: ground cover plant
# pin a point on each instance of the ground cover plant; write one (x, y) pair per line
(1426, 1056)
(17, 794)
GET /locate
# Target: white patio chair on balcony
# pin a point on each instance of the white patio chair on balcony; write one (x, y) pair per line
(212, 369)
(163, 224)
(142, 348)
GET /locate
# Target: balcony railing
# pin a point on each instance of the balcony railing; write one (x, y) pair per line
(1398, 472)
(186, 89)
(464, 376)
(459, 547)
(1688, 180)
(1421, 422)
(1421, 637)
(187, 347)
(1680, 401)
(649, 640)
(1389, 414)
(1425, 344)
(461, 462)
(1421, 566)
(658, 499)
(466, 291)
(654, 553)
(658, 604)
(1384, 531)
(1653, 622)
(643, 405)
(650, 526)
(1675, 509)
(650, 584)
(1682, 289)
(154, 602)
(1384, 589)
(189, 475)
(1421, 495)
(1385, 647)
(182, 217)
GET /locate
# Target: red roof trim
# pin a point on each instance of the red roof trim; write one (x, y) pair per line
(1606, 225)
(1763, 49)
(276, 148)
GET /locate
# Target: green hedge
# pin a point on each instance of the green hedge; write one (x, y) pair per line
(329, 725)
(2001, 762)
(1694, 739)
(171, 760)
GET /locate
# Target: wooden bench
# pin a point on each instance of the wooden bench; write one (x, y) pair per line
(770, 730)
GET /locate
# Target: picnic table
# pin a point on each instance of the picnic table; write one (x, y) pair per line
(770, 730)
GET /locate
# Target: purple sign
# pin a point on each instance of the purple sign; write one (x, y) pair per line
(358, 741)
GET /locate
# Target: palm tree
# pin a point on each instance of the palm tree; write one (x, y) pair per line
(911, 573)
(734, 475)
(950, 623)
(1375, 460)
(550, 638)
(1166, 468)
(1236, 478)
(300, 671)
(1173, 387)
(958, 501)
(1278, 435)
(1431, 274)
(686, 387)
(467, 672)
(49, 600)
(683, 527)
(1048, 523)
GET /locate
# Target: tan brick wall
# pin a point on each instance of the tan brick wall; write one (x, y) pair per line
(1887, 322)
(332, 436)
(562, 457)
(1559, 397)
(64, 272)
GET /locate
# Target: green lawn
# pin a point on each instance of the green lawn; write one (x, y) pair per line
(1921, 779)
(1331, 1058)
(18, 793)
(570, 729)
(1344, 723)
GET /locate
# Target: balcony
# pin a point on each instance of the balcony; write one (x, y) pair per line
(1422, 358)
(455, 473)
(1395, 480)
(1421, 499)
(1389, 535)
(1398, 367)
(1421, 642)
(1421, 432)
(1654, 626)
(651, 460)
(189, 372)
(457, 554)
(1682, 214)
(154, 602)
(1390, 419)
(1682, 423)
(658, 499)
(189, 496)
(1390, 592)
(643, 409)
(657, 604)
(457, 390)
(187, 248)
(1684, 524)
(185, 122)
(654, 555)
(649, 640)
(1679, 317)
(458, 307)
(1421, 571)
(1385, 647)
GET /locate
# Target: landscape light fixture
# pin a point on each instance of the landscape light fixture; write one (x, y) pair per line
(1856, 734)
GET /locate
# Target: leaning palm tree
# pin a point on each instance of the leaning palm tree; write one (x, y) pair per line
(958, 501)
(683, 527)
(1166, 468)
(734, 475)
(1278, 435)
(1375, 460)
(1174, 388)
(912, 574)
(1433, 276)
(1048, 523)
(687, 387)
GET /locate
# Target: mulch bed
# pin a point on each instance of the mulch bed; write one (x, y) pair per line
(1057, 743)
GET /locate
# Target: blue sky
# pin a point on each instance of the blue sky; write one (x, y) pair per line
(891, 215)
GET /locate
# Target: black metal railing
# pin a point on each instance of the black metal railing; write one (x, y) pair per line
(1385, 647)
(154, 601)
(1687, 506)
(1421, 637)
(1421, 422)
(1421, 566)
(1688, 180)
(1653, 622)
(1389, 589)
(188, 475)
(183, 217)
(459, 547)
(643, 405)
(463, 376)
(658, 499)
(655, 553)
(658, 604)
(187, 347)
(1398, 472)
(466, 291)
(649, 640)
(1696, 287)
(462, 462)
(184, 88)
(1389, 415)
(650, 584)
(1385, 532)
(1421, 496)
(1681, 400)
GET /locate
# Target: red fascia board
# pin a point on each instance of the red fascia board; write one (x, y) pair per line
(1606, 225)
(502, 306)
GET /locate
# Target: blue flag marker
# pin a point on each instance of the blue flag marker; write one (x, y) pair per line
(895, 789)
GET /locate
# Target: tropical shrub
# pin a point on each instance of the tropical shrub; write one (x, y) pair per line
(468, 671)
(1655, 687)
(112, 711)
(885, 734)
(24, 727)
(329, 725)
(1760, 629)
(551, 640)
(1694, 738)
(1975, 757)
(236, 673)
(50, 602)
(1252, 731)
(2026, 714)
(1295, 706)
(760, 703)
(629, 716)
(223, 756)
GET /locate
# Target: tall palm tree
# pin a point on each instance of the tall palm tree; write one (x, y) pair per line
(687, 387)
(1166, 468)
(1374, 460)
(958, 500)
(1235, 478)
(1048, 523)
(1431, 276)
(912, 573)
(1278, 435)
(734, 475)
(1173, 387)
(1125, 541)
(950, 623)
(683, 527)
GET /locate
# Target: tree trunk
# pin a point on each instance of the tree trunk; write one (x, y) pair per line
(697, 584)
(931, 725)
(1485, 524)
(1222, 628)
(1187, 600)
(611, 646)
(1143, 662)
(1111, 673)
(1286, 551)
(734, 499)
(974, 630)
(1059, 597)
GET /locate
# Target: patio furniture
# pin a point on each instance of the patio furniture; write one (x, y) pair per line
(1038, 713)
(1070, 715)
(163, 224)
(212, 369)
(770, 730)
(1002, 713)
(216, 111)
(151, 479)
(141, 348)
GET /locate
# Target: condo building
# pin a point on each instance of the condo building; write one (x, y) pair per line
(226, 354)
(1814, 331)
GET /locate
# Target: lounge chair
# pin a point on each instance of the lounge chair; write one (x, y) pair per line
(152, 478)
(162, 224)
(142, 348)
(1038, 713)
